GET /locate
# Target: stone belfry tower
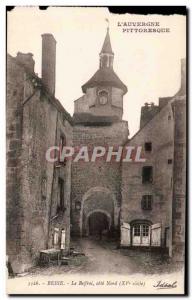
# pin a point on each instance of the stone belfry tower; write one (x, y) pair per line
(96, 186)
(103, 99)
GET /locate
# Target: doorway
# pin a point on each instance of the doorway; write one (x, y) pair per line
(98, 222)
(141, 235)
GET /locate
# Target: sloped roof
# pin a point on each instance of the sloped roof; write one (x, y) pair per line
(105, 77)
(107, 44)
(43, 88)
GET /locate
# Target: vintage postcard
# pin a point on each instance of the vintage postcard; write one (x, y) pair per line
(96, 150)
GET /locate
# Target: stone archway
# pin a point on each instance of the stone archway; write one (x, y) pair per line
(98, 199)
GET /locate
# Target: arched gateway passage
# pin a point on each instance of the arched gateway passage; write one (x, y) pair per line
(97, 222)
(99, 211)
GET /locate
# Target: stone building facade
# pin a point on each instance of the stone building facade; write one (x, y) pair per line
(179, 170)
(143, 203)
(153, 190)
(147, 185)
(38, 192)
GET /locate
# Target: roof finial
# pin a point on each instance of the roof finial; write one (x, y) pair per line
(107, 20)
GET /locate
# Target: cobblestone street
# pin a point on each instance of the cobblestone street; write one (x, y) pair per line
(104, 257)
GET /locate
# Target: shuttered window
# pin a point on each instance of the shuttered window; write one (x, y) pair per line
(146, 202)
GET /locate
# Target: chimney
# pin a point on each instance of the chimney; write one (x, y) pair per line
(48, 61)
(147, 113)
(26, 59)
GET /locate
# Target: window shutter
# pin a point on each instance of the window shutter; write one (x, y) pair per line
(125, 234)
(63, 239)
(156, 235)
(56, 237)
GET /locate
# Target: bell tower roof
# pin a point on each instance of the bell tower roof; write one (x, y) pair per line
(107, 44)
(105, 75)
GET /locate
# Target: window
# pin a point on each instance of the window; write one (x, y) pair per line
(146, 202)
(78, 205)
(169, 161)
(148, 146)
(44, 187)
(137, 230)
(104, 61)
(60, 206)
(178, 215)
(147, 174)
(62, 144)
(145, 230)
(169, 117)
(103, 97)
(110, 61)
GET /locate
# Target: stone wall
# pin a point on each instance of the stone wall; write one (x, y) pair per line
(179, 179)
(179, 170)
(14, 205)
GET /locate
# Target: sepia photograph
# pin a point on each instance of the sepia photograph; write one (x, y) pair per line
(96, 140)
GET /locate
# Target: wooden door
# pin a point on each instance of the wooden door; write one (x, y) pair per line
(141, 235)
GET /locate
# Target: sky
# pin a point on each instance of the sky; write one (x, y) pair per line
(147, 63)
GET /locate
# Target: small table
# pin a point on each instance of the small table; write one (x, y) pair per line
(50, 254)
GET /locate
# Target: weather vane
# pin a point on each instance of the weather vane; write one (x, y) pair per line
(107, 23)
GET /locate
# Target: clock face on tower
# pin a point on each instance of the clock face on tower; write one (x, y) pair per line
(103, 97)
